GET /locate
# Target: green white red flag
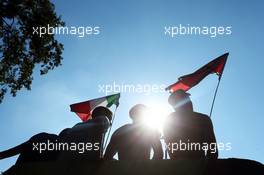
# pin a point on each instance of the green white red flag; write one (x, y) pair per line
(84, 109)
(186, 82)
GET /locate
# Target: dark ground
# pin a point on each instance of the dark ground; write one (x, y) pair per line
(151, 167)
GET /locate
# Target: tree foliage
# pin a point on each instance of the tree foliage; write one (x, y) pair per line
(20, 49)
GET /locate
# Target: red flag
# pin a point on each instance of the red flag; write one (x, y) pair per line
(186, 82)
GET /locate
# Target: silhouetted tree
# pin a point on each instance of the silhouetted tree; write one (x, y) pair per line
(20, 48)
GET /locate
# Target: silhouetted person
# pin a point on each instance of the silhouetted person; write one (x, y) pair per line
(29, 151)
(134, 141)
(189, 127)
(42, 147)
(88, 136)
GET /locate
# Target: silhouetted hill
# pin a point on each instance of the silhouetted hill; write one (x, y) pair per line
(166, 167)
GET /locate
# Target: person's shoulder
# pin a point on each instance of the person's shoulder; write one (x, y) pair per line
(80, 123)
(122, 129)
(203, 117)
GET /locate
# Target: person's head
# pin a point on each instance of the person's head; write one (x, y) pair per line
(137, 113)
(102, 111)
(180, 100)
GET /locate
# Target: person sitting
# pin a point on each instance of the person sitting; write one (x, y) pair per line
(191, 130)
(88, 137)
(134, 141)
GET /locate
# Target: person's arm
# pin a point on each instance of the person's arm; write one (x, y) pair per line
(110, 149)
(211, 153)
(157, 148)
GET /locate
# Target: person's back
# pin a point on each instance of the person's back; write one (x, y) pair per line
(195, 130)
(188, 134)
(134, 141)
(88, 137)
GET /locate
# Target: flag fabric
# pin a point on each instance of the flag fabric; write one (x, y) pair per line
(186, 82)
(84, 109)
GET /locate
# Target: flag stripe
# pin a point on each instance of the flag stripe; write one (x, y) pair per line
(113, 99)
(84, 109)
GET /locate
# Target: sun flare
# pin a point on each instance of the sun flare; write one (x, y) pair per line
(156, 115)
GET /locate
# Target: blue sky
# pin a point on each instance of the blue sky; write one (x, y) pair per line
(132, 49)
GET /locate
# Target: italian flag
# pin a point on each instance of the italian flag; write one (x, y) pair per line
(84, 109)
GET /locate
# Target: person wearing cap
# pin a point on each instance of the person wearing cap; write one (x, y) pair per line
(91, 132)
(188, 134)
(135, 141)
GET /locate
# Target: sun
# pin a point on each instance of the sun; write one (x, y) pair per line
(155, 116)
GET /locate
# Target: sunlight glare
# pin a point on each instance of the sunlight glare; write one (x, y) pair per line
(155, 116)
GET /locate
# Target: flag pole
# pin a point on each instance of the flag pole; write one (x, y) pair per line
(166, 148)
(216, 90)
(220, 77)
(111, 124)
